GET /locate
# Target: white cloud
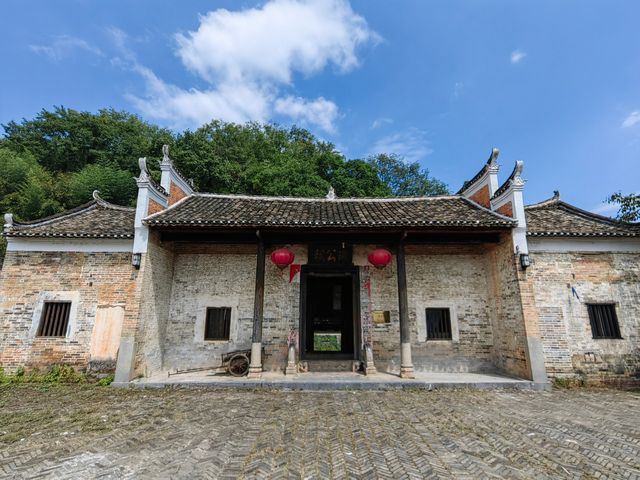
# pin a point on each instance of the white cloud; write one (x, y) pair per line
(607, 209)
(632, 119)
(248, 60)
(380, 122)
(63, 46)
(411, 145)
(517, 56)
(320, 112)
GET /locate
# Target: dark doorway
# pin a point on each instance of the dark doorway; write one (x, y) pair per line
(329, 327)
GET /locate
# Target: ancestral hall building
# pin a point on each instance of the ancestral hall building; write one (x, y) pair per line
(471, 282)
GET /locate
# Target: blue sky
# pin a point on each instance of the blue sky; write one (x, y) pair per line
(554, 83)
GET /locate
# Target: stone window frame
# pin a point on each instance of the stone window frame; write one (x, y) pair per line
(201, 319)
(421, 321)
(56, 296)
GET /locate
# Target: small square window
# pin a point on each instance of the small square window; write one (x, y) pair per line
(218, 323)
(438, 323)
(604, 320)
(55, 319)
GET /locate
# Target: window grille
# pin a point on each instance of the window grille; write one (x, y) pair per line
(218, 323)
(55, 319)
(604, 321)
(438, 324)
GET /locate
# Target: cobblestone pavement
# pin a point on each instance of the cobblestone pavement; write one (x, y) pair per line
(91, 432)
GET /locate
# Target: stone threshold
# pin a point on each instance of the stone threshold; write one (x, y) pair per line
(318, 381)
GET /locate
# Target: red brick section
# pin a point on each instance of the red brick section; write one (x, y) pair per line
(481, 197)
(154, 207)
(506, 209)
(175, 193)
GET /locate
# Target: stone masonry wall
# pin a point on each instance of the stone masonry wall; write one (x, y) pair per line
(224, 276)
(509, 348)
(157, 281)
(89, 280)
(563, 284)
(445, 277)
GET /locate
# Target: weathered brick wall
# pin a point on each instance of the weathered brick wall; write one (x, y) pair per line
(446, 277)
(224, 276)
(157, 280)
(563, 283)
(94, 279)
(509, 335)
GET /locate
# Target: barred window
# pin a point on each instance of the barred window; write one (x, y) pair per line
(55, 319)
(438, 323)
(604, 320)
(218, 323)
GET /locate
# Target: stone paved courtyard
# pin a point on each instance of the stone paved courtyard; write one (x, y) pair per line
(101, 432)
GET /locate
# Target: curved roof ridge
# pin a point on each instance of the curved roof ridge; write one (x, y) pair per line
(492, 160)
(104, 203)
(57, 216)
(544, 203)
(322, 199)
(517, 170)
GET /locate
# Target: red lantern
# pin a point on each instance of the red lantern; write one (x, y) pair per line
(380, 257)
(282, 257)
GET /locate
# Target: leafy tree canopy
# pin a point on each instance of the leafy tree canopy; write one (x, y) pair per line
(55, 160)
(629, 206)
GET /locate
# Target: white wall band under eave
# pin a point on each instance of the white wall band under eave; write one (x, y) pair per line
(96, 245)
(600, 244)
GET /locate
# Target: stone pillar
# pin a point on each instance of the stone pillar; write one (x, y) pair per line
(255, 367)
(292, 368)
(406, 364)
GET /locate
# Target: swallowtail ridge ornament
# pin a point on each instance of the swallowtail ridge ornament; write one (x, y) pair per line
(380, 257)
(282, 257)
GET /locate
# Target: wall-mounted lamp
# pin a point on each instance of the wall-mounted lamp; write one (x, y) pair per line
(524, 260)
(135, 260)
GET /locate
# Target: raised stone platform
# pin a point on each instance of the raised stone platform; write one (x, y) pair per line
(338, 381)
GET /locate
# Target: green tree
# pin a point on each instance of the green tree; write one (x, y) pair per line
(405, 179)
(629, 206)
(66, 140)
(115, 185)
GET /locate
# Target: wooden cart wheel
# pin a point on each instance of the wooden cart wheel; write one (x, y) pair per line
(238, 365)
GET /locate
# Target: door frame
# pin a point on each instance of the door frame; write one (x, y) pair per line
(336, 271)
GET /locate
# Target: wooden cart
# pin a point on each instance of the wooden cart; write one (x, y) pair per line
(234, 363)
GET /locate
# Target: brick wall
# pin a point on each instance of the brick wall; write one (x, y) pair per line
(93, 280)
(436, 277)
(563, 283)
(509, 347)
(157, 280)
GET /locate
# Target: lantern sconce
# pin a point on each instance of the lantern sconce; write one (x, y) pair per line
(380, 258)
(282, 257)
(136, 259)
(524, 261)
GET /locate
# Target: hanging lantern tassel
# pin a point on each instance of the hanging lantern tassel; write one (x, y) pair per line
(282, 257)
(380, 258)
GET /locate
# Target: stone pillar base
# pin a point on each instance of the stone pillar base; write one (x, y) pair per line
(369, 366)
(255, 367)
(407, 372)
(406, 363)
(292, 368)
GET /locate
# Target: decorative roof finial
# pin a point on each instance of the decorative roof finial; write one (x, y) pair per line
(8, 220)
(165, 154)
(517, 179)
(493, 159)
(556, 195)
(144, 173)
(331, 194)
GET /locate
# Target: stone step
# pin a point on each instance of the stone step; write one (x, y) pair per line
(330, 365)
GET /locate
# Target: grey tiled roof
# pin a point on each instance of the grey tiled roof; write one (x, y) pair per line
(250, 211)
(555, 218)
(95, 219)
